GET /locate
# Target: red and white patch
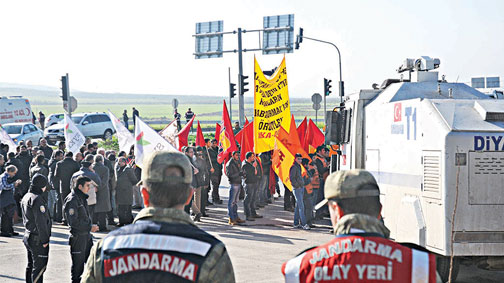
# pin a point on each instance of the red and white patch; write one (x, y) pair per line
(397, 112)
(150, 261)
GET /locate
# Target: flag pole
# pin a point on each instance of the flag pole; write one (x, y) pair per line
(209, 158)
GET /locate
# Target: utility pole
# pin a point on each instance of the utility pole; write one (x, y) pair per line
(241, 104)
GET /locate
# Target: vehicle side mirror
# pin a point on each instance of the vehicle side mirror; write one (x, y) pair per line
(85, 123)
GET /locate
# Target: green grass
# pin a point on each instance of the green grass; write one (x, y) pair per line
(204, 112)
(151, 106)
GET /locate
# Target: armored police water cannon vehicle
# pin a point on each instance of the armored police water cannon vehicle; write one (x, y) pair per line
(437, 151)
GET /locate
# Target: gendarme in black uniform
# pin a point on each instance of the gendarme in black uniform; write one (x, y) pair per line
(80, 240)
(37, 225)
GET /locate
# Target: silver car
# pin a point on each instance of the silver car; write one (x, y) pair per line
(23, 132)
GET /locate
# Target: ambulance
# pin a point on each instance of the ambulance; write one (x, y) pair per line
(15, 109)
(436, 149)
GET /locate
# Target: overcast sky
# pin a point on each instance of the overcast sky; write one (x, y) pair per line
(147, 46)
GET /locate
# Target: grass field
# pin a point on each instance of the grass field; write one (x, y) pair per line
(151, 106)
(204, 112)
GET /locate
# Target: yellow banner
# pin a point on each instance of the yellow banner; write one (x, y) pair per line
(281, 162)
(271, 106)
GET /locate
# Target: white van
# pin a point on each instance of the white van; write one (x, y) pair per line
(15, 109)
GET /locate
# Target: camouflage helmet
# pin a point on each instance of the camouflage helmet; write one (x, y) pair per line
(349, 184)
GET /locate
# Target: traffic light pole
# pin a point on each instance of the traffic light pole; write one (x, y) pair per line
(69, 97)
(241, 78)
(241, 105)
(325, 110)
(340, 84)
(230, 96)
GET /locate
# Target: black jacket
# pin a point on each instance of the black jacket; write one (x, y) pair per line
(36, 218)
(48, 151)
(64, 172)
(295, 176)
(26, 160)
(77, 212)
(54, 182)
(203, 175)
(266, 162)
(40, 169)
(24, 171)
(249, 173)
(233, 172)
(213, 158)
(110, 167)
(103, 194)
(124, 189)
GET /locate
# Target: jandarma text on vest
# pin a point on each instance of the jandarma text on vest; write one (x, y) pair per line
(150, 261)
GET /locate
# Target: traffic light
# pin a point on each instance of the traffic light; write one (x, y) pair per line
(64, 88)
(243, 84)
(299, 38)
(327, 87)
(232, 90)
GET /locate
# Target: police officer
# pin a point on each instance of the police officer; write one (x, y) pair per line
(163, 244)
(37, 225)
(78, 217)
(361, 250)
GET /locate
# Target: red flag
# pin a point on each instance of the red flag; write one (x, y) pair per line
(227, 142)
(184, 134)
(291, 139)
(200, 139)
(302, 131)
(246, 121)
(217, 131)
(245, 138)
(314, 137)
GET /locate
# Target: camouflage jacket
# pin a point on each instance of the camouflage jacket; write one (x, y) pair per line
(352, 223)
(216, 268)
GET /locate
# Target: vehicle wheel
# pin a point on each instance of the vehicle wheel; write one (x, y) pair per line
(107, 135)
(443, 267)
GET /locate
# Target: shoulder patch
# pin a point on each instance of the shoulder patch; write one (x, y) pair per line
(71, 211)
(42, 209)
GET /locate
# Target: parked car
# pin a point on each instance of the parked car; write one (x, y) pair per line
(94, 125)
(23, 132)
(54, 119)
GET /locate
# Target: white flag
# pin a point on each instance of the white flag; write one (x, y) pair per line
(125, 138)
(147, 141)
(74, 139)
(6, 139)
(170, 133)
